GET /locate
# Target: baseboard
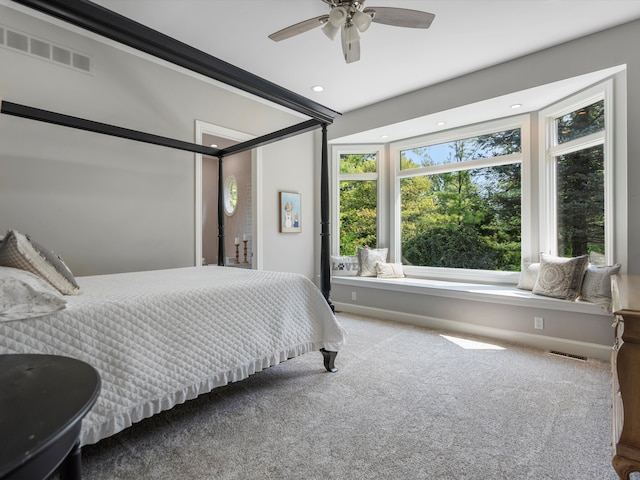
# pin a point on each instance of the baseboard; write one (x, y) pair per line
(590, 350)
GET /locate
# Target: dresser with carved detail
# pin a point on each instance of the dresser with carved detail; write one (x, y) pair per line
(625, 365)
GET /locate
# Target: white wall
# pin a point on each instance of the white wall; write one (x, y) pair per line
(289, 166)
(112, 205)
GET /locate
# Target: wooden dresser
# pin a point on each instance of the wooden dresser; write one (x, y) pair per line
(625, 364)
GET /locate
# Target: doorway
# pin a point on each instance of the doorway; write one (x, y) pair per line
(239, 222)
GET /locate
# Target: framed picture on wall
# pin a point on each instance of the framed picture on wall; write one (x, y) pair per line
(290, 212)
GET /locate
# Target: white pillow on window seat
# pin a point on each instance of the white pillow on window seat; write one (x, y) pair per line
(389, 270)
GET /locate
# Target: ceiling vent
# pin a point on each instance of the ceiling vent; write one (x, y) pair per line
(36, 47)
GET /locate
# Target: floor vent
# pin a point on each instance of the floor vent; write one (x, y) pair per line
(568, 355)
(39, 48)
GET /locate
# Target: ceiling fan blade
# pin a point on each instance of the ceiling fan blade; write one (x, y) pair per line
(400, 17)
(299, 28)
(350, 50)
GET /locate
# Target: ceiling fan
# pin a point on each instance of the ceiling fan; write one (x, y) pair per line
(350, 17)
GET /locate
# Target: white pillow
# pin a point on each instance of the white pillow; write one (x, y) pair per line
(596, 286)
(560, 277)
(367, 258)
(528, 275)
(389, 270)
(345, 266)
(25, 295)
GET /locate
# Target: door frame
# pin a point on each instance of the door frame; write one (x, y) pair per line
(202, 128)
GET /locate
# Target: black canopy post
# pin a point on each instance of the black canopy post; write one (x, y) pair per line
(221, 257)
(325, 248)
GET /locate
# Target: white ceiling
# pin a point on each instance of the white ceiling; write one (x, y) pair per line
(465, 36)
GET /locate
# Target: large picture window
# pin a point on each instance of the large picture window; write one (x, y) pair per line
(460, 201)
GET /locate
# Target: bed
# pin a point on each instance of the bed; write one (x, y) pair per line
(159, 338)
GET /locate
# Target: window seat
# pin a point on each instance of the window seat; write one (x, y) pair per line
(503, 294)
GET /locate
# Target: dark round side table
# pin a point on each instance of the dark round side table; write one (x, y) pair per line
(43, 399)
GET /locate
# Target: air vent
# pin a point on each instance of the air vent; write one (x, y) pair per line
(568, 355)
(45, 50)
(18, 41)
(61, 55)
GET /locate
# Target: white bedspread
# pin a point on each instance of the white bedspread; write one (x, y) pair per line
(159, 338)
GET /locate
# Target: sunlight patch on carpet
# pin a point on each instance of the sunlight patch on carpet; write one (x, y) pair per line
(471, 344)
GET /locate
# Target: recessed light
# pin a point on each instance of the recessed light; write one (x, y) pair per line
(317, 88)
(384, 136)
(214, 145)
(516, 105)
(441, 123)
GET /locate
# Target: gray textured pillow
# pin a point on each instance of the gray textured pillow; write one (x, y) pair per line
(596, 286)
(560, 277)
(367, 258)
(528, 275)
(18, 251)
(345, 266)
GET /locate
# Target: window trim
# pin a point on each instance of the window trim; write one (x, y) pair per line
(549, 149)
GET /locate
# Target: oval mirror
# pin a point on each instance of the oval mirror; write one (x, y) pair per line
(230, 195)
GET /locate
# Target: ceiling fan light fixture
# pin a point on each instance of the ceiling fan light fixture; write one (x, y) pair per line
(338, 16)
(361, 20)
(351, 33)
(330, 30)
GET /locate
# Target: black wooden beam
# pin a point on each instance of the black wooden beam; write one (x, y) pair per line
(47, 116)
(271, 137)
(109, 24)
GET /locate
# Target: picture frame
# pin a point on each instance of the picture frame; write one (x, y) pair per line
(290, 212)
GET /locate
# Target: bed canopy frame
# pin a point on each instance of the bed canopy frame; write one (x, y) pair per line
(104, 22)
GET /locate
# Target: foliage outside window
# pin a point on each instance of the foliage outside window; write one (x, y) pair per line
(358, 202)
(461, 203)
(578, 162)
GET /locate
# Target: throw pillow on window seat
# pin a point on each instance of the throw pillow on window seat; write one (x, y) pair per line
(528, 275)
(389, 270)
(367, 258)
(596, 285)
(560, 277)
(344, 266)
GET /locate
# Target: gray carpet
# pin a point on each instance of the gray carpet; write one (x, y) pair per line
(407, 403)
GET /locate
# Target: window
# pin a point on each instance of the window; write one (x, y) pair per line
(460, 200)
(357, 199)
(471, 204)
(575, 173)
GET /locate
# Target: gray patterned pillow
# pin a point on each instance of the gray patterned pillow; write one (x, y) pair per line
(25, 295)
(560, 277)
(367, 258)
(596, 286)
(18, 251)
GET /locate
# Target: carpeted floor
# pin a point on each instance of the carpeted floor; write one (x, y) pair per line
(407, 403)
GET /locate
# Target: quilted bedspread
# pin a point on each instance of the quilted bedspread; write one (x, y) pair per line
(159, 338)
